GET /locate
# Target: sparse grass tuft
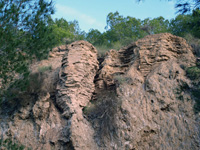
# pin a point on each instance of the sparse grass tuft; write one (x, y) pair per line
(44, 68)
(121, 79)
(89, 109)
(116, 45)
(102, 49)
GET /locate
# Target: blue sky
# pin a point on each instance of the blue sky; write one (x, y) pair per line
(93, 13)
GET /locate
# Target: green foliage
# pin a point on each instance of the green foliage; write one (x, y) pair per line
(8, 144)
(27, 32)
(66, 32)
(121, 28)
(185, 6)
(95, 37)
(195, 23)
(24, 35)
(196, 94)
(121, 31)
(184, 24)
(193, 72)
(179, 26)
(155, 26)
(39, 82)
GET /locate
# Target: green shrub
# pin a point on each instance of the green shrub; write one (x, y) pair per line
(196, 94)
(35, 83)
(8, 144)
(193, 72)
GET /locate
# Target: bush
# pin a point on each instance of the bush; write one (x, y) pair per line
(103, 112)
(8, 144)
(193, 72)
(41, 82)
(196, 94)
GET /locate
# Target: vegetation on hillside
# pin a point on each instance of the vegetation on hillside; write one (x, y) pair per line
(123, 30)
(194, 74)
(185, 6)
(27, 32)
(8, 144)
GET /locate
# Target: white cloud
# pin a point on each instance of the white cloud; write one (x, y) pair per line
(77, 15)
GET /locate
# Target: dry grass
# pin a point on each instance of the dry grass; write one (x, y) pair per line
(103, 111)
(43, 82)
(102, 50)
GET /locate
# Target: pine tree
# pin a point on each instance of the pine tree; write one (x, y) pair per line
(24, 35)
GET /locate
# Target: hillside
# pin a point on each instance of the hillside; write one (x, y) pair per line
(133, 99)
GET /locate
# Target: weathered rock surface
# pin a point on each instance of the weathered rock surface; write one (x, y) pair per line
(75, 89)
(147, 75)
(32, 118)
(127, 102)
(52, 118)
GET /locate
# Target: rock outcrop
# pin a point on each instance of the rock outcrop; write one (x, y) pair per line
(147, 75)
(75, 90)
(132, 100)
(50, 116)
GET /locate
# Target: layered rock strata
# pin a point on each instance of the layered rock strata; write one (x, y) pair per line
(75, 89)
(150, 115)
(133, 101)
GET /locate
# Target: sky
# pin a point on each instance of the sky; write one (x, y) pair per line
(93, 13)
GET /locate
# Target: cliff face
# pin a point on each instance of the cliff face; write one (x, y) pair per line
(74, 91)
(127, 101)
(149, 115)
